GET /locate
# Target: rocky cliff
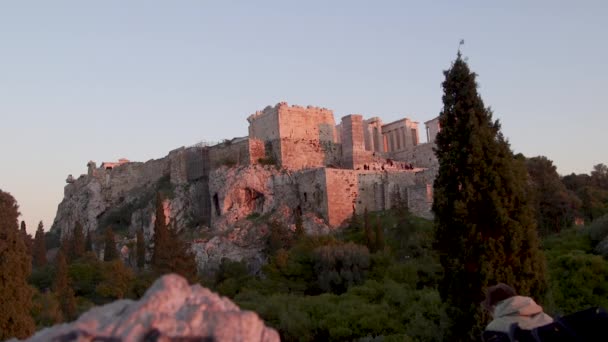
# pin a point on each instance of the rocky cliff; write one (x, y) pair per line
(223, 211)
(170, 310)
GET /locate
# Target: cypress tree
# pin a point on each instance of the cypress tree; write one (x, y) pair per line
(15, 268)
(27, 238)
(141, 249)
(63, 290)
(379, 235)
(369, 234)
(485, 227)
(77, 244)
(39, 247)
(170, 253)
(88, 242)
(110, 252)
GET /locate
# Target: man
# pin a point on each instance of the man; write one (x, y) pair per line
(508, 308)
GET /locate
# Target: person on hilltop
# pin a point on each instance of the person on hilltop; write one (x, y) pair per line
(507, 308)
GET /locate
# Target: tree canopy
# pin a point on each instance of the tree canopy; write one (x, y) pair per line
(485, 227)
(15, 268)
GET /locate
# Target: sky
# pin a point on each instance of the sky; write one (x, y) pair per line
(102, 80)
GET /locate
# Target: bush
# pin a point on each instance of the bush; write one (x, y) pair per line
(598, 229)
(339, 267)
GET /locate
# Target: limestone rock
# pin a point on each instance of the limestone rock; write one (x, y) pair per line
(170, 310)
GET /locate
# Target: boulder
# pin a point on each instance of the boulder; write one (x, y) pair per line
(171, 310)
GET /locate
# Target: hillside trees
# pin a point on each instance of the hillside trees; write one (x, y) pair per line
(555, 206)
(110, 251)
(39, 249)
(141, 249)
(76, 246)
(485, 227)
(15, 268)
(62, 288)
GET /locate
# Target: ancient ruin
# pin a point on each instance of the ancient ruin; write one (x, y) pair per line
(336, 168)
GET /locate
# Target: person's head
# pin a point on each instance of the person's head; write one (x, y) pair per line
(497, 293)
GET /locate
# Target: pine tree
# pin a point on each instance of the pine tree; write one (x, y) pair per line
(15, 268)
(76, 243)
(170, 253)
(39, 247)
(485, 228)
(88, 242)
(379, 235)
(27, 238)
(110, 252)
(141, 249)
(369, 233)
(62, 288)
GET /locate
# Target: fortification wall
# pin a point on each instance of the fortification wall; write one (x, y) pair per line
(299, 154)
(257, 150)
(230, 153)
(264, 125)
(306, 123)
(342, 193)
(420, 155)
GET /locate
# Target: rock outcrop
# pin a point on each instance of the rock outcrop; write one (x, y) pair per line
(170, 310)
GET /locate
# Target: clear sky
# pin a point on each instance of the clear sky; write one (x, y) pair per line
(101, 80)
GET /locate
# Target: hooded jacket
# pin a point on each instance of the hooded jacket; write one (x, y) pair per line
(521, 310)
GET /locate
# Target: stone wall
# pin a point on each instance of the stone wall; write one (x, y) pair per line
(264, 125)
(342, 193)
(420, 156)
(353, 145)
(229, 153)
(306, 123)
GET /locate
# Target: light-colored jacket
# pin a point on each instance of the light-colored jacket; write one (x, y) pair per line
(521, 310)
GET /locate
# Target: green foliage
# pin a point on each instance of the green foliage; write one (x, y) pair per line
(116, 280)
(486, 231)
(27, 238)
(370, 239)
(578, 278)
(598, 229)
(15, 268)
(76, 243)
(578, 281)
(85, 274)
(141, 249)
(45, 309)
(42, 277)
(231, 277)
(63, 289)
(555, 205)
(110, 252)
(339, 267)
(39, 248)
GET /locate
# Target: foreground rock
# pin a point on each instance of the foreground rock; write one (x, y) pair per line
(171, 310)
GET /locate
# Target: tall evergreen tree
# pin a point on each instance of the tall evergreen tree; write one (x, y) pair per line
(379, 235)
(110, 252)
(39, 247)
(485, 227)
(555, 206)
(369, 233)
(27, 238)
(88, 242)
(62, 288)
(76, 243)
(15, 268)
(141, 249)
(170, 253)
